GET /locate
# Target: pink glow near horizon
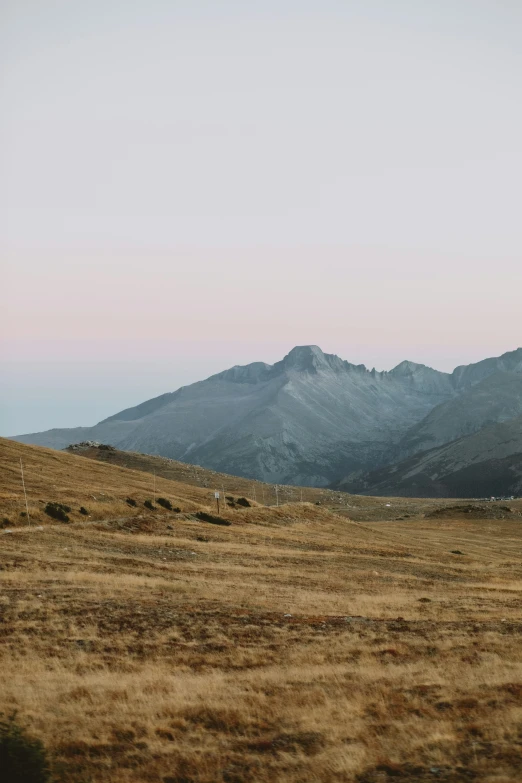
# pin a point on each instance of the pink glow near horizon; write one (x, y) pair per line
(373, 306)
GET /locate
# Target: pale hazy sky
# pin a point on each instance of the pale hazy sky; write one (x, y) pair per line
(185, 186)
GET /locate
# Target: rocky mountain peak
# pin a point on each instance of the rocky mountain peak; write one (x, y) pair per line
(305, 358)
(311, 417)
(407, 368)
(311, 359)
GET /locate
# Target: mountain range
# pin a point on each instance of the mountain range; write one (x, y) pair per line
(315, 419)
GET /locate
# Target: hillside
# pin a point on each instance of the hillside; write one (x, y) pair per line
(53, 476)
(485, 464)
(204, 478)
(101, 480)
(291, 645)
(497, 398)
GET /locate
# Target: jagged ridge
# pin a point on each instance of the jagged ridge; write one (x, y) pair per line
(310, 418)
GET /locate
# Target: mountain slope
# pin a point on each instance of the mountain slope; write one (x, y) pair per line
(303, 420)
(470, 374)
(58, 477)
(486, 463)
(311, 417)
(495, 399)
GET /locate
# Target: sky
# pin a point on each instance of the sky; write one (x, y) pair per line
(186, 186)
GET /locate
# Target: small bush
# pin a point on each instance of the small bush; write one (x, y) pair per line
(23, 513)
(148, 504)
(177, 510)
(204, 517)
(131, 502)
(5, 522)
(22, 758)
(243, 502)
(57, 511)
(165, 503)
(84, 511)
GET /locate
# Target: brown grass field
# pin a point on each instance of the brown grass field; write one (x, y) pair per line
(358, 507)
(295, 644)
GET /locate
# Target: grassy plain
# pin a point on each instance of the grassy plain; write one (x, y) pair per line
(293, 645)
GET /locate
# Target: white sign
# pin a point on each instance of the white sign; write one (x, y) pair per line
(216, 495)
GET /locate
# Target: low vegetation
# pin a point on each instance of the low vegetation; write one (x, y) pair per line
(291, 645)
(56, 511)
(204, 516)
(22, 758)
(164, 503)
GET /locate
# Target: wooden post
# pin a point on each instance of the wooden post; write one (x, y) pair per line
(216, 495)
(25, 493)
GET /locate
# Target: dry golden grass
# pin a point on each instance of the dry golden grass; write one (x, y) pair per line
(294, 645)
(356, 506)
(60, 477)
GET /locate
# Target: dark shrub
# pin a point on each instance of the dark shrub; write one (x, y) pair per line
(22, 758)
(148, 504)
(229, 498)
(204, 517)
(176, 510)
(243, 502)
(57, 511)
(131, 502)
(5, 522)
(23, 513)
(165, 503)
(84, 511)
